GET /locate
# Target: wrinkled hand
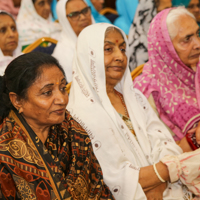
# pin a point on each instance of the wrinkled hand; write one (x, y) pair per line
(156, 193)
(196, 130)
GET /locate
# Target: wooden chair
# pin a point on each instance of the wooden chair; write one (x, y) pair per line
(108, 10)
(45, 45)
(68, 87)
(137, 71)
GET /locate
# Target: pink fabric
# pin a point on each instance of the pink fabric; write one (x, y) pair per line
(8, 6)
(171, 82)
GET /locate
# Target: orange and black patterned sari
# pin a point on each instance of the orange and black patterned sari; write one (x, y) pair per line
(62, 168)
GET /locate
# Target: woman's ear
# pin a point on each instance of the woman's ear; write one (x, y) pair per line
(16, 102)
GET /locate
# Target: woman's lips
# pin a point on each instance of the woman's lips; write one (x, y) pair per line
(195, 55)
(117, 68)
(12, 43)
(60, 111)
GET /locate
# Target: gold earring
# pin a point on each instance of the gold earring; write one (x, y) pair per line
(19, 110)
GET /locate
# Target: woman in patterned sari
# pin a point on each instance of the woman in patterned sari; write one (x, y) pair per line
(44, 153)
(170, 79)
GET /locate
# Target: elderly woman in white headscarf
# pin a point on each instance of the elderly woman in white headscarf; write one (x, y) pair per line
(9, 47)
(35, 21)
(129, 141)
(73, 16)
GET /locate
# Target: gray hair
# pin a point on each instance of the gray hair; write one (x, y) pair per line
(172, 18)
(3, 12)
(111, 29)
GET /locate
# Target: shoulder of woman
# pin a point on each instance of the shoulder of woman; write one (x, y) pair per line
(73, 125)
(7, 127)
(140, 96)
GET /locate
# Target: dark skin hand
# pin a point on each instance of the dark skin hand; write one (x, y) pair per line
(157, 192)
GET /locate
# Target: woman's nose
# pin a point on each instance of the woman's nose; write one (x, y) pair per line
(197, 9)
(47, 6)
(10, 32)
(61, 98)
(119, 55)
(197, 43)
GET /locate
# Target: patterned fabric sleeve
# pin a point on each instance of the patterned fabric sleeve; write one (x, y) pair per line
(8, 190)
(186, 168)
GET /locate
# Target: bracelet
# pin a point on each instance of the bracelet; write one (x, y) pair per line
(158, 175)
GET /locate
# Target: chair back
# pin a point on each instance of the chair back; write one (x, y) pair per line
(45, 45)
(137, 71)
(108, 10)
(68, 87)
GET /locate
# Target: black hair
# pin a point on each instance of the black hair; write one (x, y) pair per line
(33, 1)
(20, 74)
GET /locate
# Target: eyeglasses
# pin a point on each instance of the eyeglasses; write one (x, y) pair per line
(192, 6)
(75, 16)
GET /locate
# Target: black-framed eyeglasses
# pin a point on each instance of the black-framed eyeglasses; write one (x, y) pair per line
(75, 16)
(192, 6)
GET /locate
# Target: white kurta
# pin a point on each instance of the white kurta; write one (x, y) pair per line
(64, 50)
(32, 26)
(115, 147)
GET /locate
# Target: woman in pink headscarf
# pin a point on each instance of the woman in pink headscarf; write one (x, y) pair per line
(170, 79)
(11, 6)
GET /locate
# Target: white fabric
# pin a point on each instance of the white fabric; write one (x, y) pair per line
(186, 168)
(115, 147)
(32, 26)
(64, 50)
(5, 60)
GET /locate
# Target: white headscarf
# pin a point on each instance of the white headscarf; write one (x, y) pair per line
(65, 47)
(32, 26)
(115, 147)
(5, 60)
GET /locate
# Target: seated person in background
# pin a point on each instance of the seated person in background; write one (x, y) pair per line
(53, 10)
(9, 48)
(74, 16)
(192, 5)
(10, 6)
(127, 136)
(170, 79)
(96, 6)
(35, 21)
(126, 11)
(137, 38)
(44, 152)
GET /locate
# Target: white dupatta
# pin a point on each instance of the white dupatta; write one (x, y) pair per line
(5, 60)
(32, 26)
(115, 147)
(64, 50)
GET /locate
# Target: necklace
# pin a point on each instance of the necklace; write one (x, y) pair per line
(123, 103)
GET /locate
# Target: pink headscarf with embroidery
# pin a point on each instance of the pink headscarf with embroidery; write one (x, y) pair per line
(174, 86)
